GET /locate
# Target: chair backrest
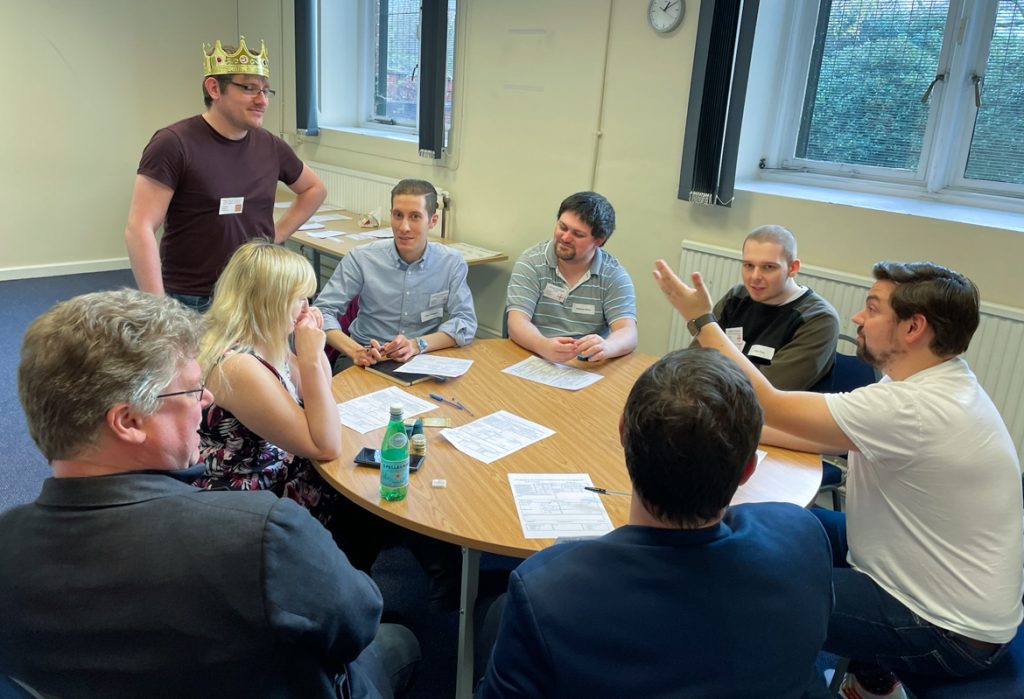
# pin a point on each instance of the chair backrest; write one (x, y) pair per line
(850, 371)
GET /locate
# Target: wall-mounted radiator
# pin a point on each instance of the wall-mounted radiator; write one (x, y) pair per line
(996, 353)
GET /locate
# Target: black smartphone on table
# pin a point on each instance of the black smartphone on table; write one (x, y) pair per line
(371, 458)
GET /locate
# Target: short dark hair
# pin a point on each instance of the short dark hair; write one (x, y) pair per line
(691, 424)
(222, 80)
(594, 210)
(775, 234)
(419, 188)
(948, 300)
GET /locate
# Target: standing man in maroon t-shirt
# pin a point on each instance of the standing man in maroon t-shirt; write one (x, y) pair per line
(211, 180)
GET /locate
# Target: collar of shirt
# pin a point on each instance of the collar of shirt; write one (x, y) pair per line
(595, 264)
(424, 260)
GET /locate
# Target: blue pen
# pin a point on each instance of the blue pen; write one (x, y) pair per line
(451, 402)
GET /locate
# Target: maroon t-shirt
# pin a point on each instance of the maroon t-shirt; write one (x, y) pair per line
(203, 167)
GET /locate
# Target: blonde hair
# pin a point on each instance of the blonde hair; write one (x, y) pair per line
(252, 302)
(87, 354)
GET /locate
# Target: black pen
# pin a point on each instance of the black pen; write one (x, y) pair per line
(605, 491)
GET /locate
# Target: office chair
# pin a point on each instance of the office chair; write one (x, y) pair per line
(848, 372)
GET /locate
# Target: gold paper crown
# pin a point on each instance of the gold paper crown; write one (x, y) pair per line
(216, 61)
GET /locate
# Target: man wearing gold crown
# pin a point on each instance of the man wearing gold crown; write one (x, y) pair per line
(211, 181)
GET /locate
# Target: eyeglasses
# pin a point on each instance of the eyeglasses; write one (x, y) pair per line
(253, 90)
(198, 391)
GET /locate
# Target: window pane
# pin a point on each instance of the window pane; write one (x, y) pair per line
(997, 147)
(449, 71)
(872, 61)
(398, 55)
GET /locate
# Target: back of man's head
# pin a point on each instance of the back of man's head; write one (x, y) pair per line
(691, 425)
(87, 354)
(417, 188)
(594, 210)
(948, 300)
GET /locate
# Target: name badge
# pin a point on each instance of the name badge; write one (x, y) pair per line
(438, 299)
(555, 293)
(431, 314)
(231, 205)
(735, 335)
(762, 352)
(586, 309)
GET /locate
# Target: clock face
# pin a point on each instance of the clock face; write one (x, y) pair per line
(665, 15)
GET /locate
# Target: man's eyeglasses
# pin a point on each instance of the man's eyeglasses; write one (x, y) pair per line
(253, 90)
(198, 391)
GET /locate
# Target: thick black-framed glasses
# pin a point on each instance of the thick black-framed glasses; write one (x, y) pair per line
(198, 391)
(253, 90)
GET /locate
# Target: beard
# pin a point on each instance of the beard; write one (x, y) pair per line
(565, 252)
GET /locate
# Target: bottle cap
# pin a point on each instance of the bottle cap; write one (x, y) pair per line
(396, 409)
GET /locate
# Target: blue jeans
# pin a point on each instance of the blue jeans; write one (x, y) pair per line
(872, 628)
(196, 303)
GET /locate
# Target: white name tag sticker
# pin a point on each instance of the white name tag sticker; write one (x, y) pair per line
(555, 293)
(586, 309)
(231, 205)
(735, 335)
(762, 351)
(438, 299)
(431, 314)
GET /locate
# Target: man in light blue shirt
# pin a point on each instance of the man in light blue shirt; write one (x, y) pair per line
(569, 298)
(413, 296)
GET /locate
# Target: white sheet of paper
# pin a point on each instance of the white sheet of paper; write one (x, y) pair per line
(381, 233)
(496, 435)
(311, 226)
(360, 236)
(326, 234)
(551, 505)
(324, 218)
(372, 411)
(550, 374)
(435, 365)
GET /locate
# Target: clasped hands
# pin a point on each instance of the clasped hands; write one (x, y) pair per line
(401, 349)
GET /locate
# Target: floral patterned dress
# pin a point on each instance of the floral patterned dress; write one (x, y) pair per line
(237, 458)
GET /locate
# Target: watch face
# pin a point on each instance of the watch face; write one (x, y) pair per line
(665, 15)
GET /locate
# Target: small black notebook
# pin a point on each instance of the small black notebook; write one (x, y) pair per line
(387, 370)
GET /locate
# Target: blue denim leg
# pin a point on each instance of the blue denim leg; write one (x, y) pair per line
(871, 627)
(196, 303)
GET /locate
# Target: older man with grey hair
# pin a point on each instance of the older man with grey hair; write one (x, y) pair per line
(123, 580)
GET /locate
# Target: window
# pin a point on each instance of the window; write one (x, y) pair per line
(924, 93)
(372, 63)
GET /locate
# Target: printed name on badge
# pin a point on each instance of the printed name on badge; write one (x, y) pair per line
(586, 309)
(432, 313)
(231, 205)
(762, 352)
(438, 299)
(735, 335)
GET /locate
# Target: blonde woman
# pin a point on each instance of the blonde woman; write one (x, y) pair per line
(273, 410)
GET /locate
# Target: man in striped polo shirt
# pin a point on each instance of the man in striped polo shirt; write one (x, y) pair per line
(568, 297)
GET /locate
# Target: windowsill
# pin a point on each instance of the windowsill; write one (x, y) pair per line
(374, 142)
(913, 204)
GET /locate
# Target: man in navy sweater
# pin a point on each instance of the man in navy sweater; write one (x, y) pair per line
(691, 598)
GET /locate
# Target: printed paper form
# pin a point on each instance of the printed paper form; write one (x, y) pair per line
(435, 366)
(324, 218)
(496, 435)
(311, 226)
(472, 252)
(551, 505)
(326, 234)
(372, 411)
(550, 374)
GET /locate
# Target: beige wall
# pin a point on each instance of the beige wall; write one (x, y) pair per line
(540, 79)
(85, 86)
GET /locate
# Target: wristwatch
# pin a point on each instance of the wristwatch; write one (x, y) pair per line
(422, 344)
(699, 322)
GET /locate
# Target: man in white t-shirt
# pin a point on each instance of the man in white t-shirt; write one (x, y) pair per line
(929, 555)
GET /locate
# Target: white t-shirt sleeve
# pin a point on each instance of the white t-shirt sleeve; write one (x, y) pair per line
(883, 421)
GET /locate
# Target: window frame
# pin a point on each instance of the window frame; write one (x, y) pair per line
(948, 134)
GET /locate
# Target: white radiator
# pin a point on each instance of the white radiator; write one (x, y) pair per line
(996, 353)
(364, 192)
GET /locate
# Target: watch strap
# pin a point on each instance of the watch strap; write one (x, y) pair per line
(695, 325)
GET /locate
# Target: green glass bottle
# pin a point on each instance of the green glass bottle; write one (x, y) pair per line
(394, 458)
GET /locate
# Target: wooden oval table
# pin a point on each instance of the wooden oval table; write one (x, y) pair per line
(476, 509)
